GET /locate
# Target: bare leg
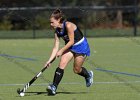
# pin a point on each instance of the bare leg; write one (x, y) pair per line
(78, 63)
(65, 59)
(78, 69)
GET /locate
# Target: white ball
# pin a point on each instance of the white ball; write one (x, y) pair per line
(21, 94)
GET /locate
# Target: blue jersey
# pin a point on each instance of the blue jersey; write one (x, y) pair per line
(80, 42)
(64, 34)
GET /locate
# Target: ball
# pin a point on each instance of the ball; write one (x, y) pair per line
(21, 94)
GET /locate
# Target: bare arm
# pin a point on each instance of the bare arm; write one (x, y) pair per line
(70, 28)
(54, 50)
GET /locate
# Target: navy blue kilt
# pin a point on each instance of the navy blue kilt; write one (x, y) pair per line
(81, 47)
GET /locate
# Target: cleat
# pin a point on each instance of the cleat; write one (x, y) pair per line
(51, 90)
(89, 80)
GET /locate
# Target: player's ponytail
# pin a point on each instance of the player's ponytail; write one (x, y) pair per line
(58, 14)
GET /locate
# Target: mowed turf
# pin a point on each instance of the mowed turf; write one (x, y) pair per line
(115, 62)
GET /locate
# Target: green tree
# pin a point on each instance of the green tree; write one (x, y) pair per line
(5, 24)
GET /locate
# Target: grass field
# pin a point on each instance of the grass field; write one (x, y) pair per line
(115, 62)
(96, 32)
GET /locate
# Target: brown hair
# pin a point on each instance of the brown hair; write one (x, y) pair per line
(58, 14)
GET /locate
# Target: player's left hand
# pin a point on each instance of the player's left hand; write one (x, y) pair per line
(47, 64)
(59, 53)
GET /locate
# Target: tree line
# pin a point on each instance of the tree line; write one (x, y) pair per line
(24, 20)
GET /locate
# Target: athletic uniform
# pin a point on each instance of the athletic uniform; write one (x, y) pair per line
(80, 42)
(80, 46)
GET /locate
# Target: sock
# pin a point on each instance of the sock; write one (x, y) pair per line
(58, 76)
(84, 73)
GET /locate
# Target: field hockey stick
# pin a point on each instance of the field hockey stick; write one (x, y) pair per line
(21, 92)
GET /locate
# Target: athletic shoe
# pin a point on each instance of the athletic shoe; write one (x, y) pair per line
(51, 89)
(89, 80)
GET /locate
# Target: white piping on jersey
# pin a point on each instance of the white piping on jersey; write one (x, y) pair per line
(80, 41)
(75, 29)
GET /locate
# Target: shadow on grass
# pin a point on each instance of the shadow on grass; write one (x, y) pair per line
(46, 93)
(41, 93)
(72, 92)
(37, 93)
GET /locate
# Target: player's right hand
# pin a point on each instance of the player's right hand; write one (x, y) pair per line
(47, 64)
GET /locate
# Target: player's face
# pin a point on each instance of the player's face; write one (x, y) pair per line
(54, 23)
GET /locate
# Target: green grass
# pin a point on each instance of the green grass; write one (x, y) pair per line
(28, 34)
(115, 54)
(106, 32)
(95, 32)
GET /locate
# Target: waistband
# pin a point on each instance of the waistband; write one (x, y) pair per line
(80, 41)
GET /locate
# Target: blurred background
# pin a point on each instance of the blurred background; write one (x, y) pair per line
(97, 18)
(112, 28)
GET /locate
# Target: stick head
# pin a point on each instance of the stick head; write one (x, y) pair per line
(20, 92)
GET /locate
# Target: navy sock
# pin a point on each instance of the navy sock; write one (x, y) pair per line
(84, 73)
(58, 76)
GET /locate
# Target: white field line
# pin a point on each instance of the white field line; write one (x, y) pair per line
(73, 83)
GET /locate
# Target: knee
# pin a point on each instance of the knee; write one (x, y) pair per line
(62, 65)
(77, 70)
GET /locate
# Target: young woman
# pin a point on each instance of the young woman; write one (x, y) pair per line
(76, 46)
